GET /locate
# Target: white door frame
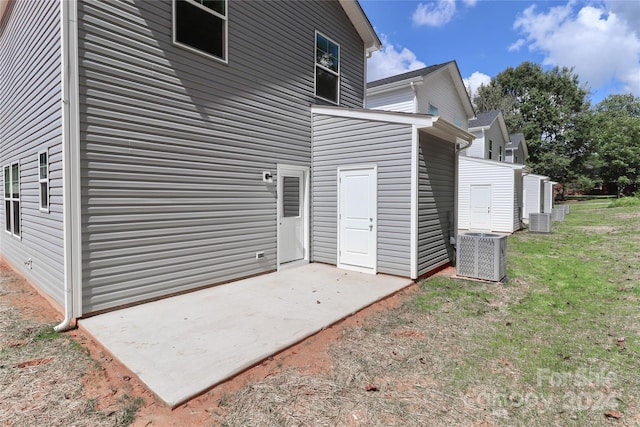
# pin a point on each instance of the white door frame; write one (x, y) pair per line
(374, 269)
(281, 171)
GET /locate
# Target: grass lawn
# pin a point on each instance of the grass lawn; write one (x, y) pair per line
(558, 344)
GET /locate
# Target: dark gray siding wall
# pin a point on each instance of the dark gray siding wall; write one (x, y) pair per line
(517, 199)
(174, 143)
(31, 121)
(340, 141)
(436, 180)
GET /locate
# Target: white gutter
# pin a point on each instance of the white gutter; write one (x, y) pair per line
(70, 164)
(459, 149)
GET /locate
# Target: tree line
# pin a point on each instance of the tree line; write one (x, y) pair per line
(569, 140)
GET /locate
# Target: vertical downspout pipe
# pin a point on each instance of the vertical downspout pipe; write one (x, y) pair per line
(459, 148)
(69, 49)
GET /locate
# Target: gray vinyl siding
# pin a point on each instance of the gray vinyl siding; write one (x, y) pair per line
(174, 143)
(345, 141)
(401, 100)
(31, 121)
(436, 183)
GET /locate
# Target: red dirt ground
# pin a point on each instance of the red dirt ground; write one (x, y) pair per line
(111, 380)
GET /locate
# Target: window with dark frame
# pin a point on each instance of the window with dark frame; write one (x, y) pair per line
(12, 198)
(490, 149)
(43, 180)
(201, 25)
(327, 69)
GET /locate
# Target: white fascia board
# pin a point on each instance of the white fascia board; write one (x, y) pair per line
(401, 84)
(362, 25)
(503, 128)
(453, 130)
(375, 115)
(493, 163)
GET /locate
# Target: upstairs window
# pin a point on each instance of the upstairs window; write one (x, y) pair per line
(201, 25)
(433, 110)
(490, 149)
(500, 153)
(327, 69)
(12, 199)
(43, 180)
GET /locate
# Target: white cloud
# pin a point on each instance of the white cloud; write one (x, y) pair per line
(600, 44)
(434, 14)
(389, 61)
(474, 81)
(517, 45)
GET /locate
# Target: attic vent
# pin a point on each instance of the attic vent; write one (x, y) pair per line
(557, 214)
(482, 256)
(540, 222)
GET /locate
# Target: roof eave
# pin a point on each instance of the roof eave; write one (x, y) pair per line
(395, 85)
(362, 25)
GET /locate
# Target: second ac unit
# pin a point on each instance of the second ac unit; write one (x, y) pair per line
(557, 214)
(540, 222)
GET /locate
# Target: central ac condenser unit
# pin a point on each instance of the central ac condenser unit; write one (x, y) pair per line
(540, 222)
(482, 256)
(557, 214)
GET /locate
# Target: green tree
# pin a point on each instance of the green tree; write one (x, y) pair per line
(551, 109)
(616, 138)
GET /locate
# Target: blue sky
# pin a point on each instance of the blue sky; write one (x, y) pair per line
(600, 39)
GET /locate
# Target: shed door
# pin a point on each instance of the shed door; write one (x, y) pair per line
(480, 215)
(357, 221)
(291, 215)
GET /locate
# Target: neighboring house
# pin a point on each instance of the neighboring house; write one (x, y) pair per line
(437, 90)
(489, 187)
(516, 150)
(533, 195)
(491, 135)
(141, 160)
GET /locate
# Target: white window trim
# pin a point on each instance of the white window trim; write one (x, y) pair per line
(11, 199)
(225, 18)
(315, 64)
(43, 181)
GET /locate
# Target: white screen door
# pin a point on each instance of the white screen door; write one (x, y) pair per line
(480, 214)
(357, 220)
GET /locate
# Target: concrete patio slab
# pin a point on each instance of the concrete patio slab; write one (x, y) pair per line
(184, 345)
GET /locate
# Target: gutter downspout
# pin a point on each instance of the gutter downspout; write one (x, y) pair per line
(70, 160)
(459, 149)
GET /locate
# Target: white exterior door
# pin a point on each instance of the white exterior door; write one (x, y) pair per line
(480, 205)
(357, 218)
(292, 213)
